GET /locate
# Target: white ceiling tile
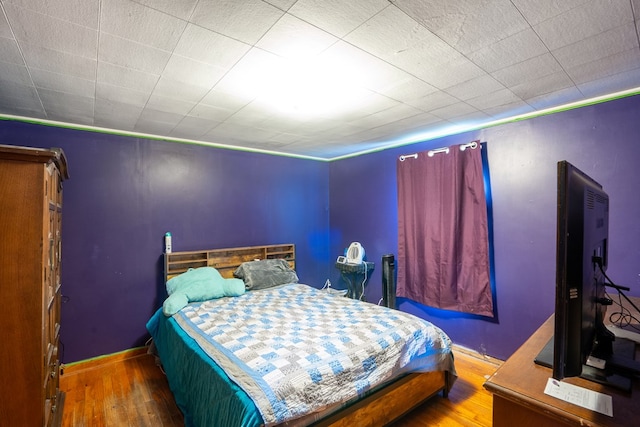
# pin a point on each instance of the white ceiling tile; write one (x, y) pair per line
(251, 115)
(153, 127)
(59, 62)
(509, 51)
(548, 84)
(233, 134)
(9, 51)
(579, 23)
(506, 111)
(127, 53)
(5, 29)
(466, 25)
(246, 20)
(120, 94)
(81, 117)
(442, 75)
(207, 112)
(61, 102)
(248, 133)
(126, 77)
(281, 4)
(492, 100)
(473, 88)
(611, 83)
(157, 122)
(619, 39)
(293, 38)
(367, 103)
(15, 90)
(252, 75)
(161, 116)
(285, 138)
(20, 100)
(169, 105)
(116, 115)
(393, 36)
(434, 101)
(15, 73)
(52, 33)
(538, 11)
(406, 127)
(335, 16)
(605, 67)
(63, 83)
(531, 69)
(81, 12)
(192, 72)
(179, 8)
(178, 90)
(472, 118)
(193, 127)
(635, 5)
(212, 48)
(375, 74)
(224, 100)
(408, 90)
(453, 111)
(555, 98)
(142, 24)
(389, 115)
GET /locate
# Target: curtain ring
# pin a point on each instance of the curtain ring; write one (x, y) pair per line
(473, 145)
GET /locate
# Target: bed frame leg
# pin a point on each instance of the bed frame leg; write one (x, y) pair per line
(447, 385)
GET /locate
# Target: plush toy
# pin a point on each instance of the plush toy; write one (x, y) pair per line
(199, 284)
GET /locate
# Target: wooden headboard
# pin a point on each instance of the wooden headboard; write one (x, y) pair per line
(225, 260)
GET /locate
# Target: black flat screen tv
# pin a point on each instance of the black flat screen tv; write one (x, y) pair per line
(582, 237)
(581, 344)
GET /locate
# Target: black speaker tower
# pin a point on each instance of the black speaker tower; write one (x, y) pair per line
(389, 281)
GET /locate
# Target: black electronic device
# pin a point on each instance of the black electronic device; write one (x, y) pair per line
(580, 302)
(388, 281)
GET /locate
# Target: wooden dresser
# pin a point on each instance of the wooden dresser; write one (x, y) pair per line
(30, 243)
(519, 398)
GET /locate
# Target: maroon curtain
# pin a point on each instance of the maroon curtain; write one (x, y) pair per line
(443, 247)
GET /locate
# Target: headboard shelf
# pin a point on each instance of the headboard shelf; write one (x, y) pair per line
(225, 260)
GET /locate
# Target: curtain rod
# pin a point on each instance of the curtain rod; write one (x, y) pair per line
(473, 145)
(405, 156)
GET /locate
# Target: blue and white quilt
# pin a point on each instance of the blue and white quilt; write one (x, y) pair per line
(296, 350)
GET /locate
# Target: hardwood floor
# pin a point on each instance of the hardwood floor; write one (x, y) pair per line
(130, 390)
(468, 403)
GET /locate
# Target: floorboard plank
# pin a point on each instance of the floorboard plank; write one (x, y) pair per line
(133, 391)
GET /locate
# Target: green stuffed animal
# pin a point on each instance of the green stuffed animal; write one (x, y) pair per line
(199, 284)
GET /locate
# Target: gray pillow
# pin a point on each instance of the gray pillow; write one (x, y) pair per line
(265, 273)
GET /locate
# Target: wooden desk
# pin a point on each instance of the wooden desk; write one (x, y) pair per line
(519, 399)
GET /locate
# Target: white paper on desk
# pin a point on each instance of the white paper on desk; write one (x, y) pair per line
(580, 396)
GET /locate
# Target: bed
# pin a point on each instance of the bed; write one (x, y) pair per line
(220, 370)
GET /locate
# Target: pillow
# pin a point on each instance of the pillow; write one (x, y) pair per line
(265, 273)
(200, 274)
(197, 285)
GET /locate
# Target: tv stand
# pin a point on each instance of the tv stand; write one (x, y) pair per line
(519, 399)
(619, 369)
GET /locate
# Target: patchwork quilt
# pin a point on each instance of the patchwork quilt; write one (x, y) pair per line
(296, 350)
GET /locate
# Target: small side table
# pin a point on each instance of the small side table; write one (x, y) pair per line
(356, 276)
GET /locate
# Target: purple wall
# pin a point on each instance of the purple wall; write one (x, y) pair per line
(602, 140)
(125, 193)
